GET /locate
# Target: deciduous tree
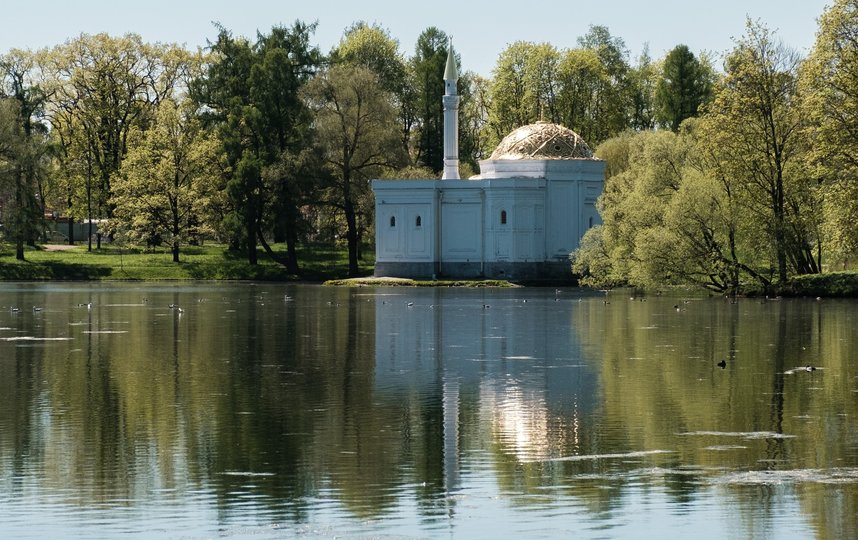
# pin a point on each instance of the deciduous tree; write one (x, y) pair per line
(250, 94)
(830, 95)
(755, 121)
(167, 178)
(23, 150)
(100, 88)
(356, 125)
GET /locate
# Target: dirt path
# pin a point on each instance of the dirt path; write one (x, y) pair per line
(57, 247)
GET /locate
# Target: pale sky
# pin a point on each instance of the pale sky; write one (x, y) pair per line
(480, 29)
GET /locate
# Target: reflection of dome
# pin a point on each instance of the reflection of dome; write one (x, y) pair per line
(542, 140)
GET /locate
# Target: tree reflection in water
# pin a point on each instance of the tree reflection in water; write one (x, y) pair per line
(349, 410)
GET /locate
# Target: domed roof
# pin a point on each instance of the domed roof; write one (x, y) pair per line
(542, 140)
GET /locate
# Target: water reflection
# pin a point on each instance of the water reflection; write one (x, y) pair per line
(281, 410)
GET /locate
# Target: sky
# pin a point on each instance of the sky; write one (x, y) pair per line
(481, 29)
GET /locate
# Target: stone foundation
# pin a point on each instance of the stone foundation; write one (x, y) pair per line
(513, 271)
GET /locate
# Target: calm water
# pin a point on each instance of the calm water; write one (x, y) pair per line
(281, 411)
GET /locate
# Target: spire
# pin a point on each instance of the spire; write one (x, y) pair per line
(450, 72)
(451, 117)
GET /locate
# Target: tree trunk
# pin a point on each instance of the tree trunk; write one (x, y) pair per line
(89, 201)
(251, 232)
(280, 227)
(19, 227)
(176, 227)
(352, 237)
(291, 251)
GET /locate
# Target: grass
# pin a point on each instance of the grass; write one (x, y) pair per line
(834, 284)
(210, 262)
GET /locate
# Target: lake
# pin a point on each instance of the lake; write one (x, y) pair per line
(276, 411)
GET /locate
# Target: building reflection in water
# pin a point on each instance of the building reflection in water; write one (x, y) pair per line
(516, 360)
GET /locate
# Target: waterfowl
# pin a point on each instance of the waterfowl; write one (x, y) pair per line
(722, 364)
(810, 368)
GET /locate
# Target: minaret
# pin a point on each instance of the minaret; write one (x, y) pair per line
(451, 117)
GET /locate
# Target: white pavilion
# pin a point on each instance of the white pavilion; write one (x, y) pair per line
(520, 218)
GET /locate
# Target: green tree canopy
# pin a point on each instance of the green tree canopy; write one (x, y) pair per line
(372, 46)
(24, 150)
(685, 85)
(101, 87)
(755, 122)
(167, 178)
(356, 126)
(829, 82)
(250, 96)
(427, 72)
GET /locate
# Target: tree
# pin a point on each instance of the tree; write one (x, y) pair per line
(585, 89)
(473, 121)
(284, 62)
(427, 72)
(372, 46)
(525, 87)
(754, 120)
(250, 94)
(670, 217)
(101, 87)
(223, 96)
(829, 81)
(685, 85)
(615, 103)
(23, 150)
(632, 207)
(643, 79)
(356, 125)
(167, 177)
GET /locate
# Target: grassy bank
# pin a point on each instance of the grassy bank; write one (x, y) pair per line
(832, 284)
(210, 262)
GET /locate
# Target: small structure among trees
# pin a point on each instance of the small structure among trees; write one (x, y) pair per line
(520, 218)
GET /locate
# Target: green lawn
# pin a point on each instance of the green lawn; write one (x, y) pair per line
(210, 262)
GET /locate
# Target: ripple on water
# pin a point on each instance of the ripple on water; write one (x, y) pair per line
(592, 457)
(739, 434)
(725, 447)
(790, 476)
(34, 338)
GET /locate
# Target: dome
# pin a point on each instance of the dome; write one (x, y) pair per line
(542, 140)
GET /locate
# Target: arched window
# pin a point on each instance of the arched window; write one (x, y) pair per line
(393, 221)
(418, 222)
(503, 217)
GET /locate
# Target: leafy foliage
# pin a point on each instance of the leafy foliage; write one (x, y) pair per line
(357, 130)
(685, 85)
(252, 142)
